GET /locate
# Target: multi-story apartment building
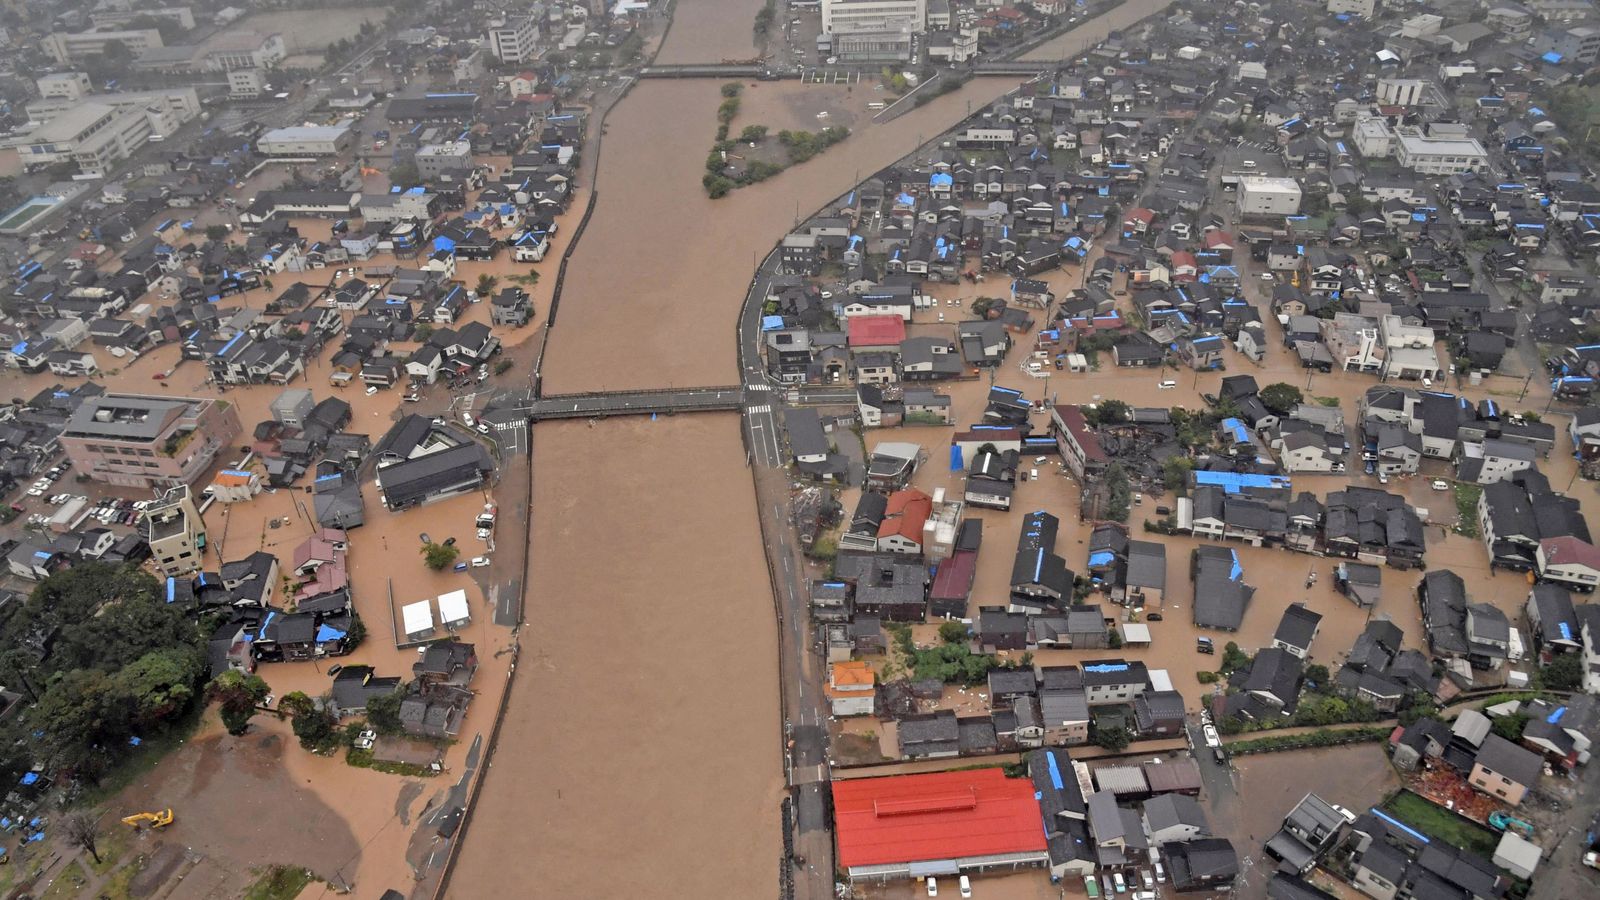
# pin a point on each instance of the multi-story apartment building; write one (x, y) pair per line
(514, 40)
(176, 533)
(870, 16)
(140, 441)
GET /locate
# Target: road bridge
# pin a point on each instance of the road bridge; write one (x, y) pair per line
(704, 70)
(1011, 67)
(600, 404)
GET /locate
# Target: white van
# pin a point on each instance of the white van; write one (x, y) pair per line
(1033, 474)
(1167, 385)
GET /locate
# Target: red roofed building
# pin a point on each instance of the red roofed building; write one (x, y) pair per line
(1569, 561)
(952, 585)
(901, 528)
(944, 823)
(1138, 220)
(1079, 445)
(876, 332)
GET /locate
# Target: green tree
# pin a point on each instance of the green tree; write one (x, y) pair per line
(1510, 727)
(216, 232)
(732, 89)
(1564, 673)
(1109, 412)
(439, 557)
(1114, 739)
(952, 632)
(753, 134)
(1175, 472)
(1281, 398)
(160, 685)
(404, 174)
(17, 667)
(314, 725)
(1233, 658)
(383, 712)
(80, 718)
(1317, 674)
(1119, 493)
(238, 695)
(486, 284)
(422, 332)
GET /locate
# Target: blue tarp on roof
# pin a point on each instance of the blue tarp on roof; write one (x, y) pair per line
(30, 778)
(1237, 571)
(1055, 771)
(771, 323)
(1240, 433)
(1555, 717)
(328, 633)
(1233, 482)
(956, 465)
(1101, 558)
(1107, 667)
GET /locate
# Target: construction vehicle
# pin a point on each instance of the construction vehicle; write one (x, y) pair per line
(1500, 820)
(154, 819)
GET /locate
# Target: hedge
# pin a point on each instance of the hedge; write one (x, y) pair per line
(1322, 737)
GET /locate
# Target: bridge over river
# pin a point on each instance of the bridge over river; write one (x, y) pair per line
(600, 404)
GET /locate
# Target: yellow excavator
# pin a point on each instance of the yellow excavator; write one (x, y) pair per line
(153, 819)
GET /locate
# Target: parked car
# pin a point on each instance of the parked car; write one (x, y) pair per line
(1439, 484)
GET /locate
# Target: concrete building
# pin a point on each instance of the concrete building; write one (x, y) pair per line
(873, 16)
(1402, 91)
(1579, 44)
(107, 18)
(316, 140)
(68, 48)
(514, 40)
(1439, 155)
(1361, 8)
(439, 160)
(243, 50)
(182, 104)
(176, 533)
(1260, 195)
(93, 135)
(246, 83)
(68, 86)
(140, 441)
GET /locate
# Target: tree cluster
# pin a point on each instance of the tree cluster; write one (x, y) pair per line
(104, 659)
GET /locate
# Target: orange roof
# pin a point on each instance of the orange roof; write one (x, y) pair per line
(854, 673)
(232, 479)
(905, 514)
(943, 815)
(874, 331)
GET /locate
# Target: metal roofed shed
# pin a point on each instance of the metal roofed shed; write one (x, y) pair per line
(1122, 781)
(939, 823)
(453, 609)
(1137, 634)
(1180, 775)
(417, 620)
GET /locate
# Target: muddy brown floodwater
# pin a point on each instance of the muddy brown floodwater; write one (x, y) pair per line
(640, 756)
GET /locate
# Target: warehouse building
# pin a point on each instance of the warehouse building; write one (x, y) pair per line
(1260, 195)
(943, 823)
(316, 140)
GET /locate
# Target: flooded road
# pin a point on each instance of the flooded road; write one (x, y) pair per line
(639, 756)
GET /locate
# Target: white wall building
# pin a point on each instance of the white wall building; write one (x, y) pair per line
(1402, 91)
(1439, 155)
(1260, 195)
(65, 48)
(514, 40)
(246, 82)
(316, 140)
(69, 86)
(1374, 139)
(1352, 7)
(867, 16)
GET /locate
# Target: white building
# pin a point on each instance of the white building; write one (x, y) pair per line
(1374, 139)
(1401, 91)
(1427, 155)
(91, 134)
(1352, 7)
(316, 140)
(1260, 195)
(869, 16)
(246, 83)
(514, 40)
(66, 48)
(68, 86)
(244, 50)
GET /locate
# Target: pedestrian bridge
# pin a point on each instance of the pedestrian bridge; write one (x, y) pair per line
(600, 404)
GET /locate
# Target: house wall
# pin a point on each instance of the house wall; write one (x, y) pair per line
(1496, 785)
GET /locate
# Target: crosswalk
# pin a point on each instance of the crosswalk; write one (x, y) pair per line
(764, 408)
(758, 387)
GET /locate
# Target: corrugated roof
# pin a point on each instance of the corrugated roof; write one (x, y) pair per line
(944, 815)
